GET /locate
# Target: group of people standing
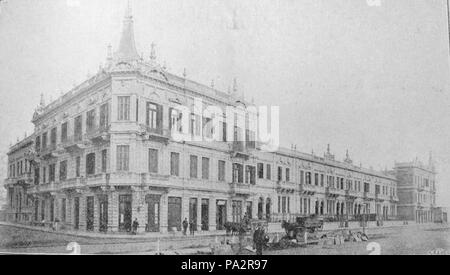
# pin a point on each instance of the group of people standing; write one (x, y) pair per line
(192, 227)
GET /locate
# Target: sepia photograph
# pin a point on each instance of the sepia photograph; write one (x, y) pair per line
(200, 128)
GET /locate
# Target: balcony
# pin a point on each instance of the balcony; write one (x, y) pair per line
(351, 194)
(239, 150)
(308, 189)
(156, 134)
(240, 189)
(369, 196)
(73, 183)
(286, 187)
(379, 197)
(393, 198)
(334, 192)
(48, 152)
(98, 134)
(74, 143)
(97, 180)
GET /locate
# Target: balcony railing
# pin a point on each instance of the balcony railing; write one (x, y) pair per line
(48, 151)
(286, 186)
(97, 133)
(156, 134)
(308, 189)
(239, 149)
(369, 196)
(73, 142)
(351, 193)
(334, 192)
(240, 189)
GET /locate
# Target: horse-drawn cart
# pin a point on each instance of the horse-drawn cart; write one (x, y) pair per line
(302, 225)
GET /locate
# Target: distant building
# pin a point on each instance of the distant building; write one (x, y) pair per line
(440, 215)
(416, 190)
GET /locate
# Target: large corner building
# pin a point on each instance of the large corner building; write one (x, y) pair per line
(102, 155)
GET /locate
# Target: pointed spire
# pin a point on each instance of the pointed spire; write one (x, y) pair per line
(235, 87)
(127, 46)
(153, 52)
(42, 103)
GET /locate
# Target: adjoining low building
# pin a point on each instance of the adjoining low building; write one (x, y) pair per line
(104, 154)
(440, 215)
(416, 190)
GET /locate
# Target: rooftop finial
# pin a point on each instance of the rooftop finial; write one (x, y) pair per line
(153, 52)
(235, 88)
(42, 103)
(129, 12)
(328, 148)
(212, 83)
(184, 73)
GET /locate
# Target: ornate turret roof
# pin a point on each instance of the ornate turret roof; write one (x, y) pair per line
(127, 51)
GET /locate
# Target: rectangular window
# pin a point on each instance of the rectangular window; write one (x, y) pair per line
(104, 160)
(316, 179)
(44, 141)
(123, 108)
(288, 176)
(260, 170)
(250, 174)
(104, 116)
(268, 173)
(174, 164)
(90, 164)
(123, 158)
(44, 175)
(322, 180)
(308, 177)
(53, 137)
(153, 161)
(78, 128)
(63, 170)
(221, 170)
(63, 210)
(280, 173)
(38, 144)
(193, 167)
(64, 132)
(238, 173)
(51, 172)
(205, 168)
(36, 175)
(77, 166)
(90, 121)
(302, 179)
(154, 116)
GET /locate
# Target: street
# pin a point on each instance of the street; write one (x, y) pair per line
(413, 239)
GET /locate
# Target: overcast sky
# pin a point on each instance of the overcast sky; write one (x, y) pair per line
(370, 78)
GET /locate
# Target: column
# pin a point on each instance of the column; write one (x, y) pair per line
(96, 214)
(163, 212)
(212, 214)
(113, 211)
(138, 208)
(83, 212)
(199, 213)
(69, 211)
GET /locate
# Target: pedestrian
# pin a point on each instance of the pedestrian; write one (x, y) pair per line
(185, 226)
(258, 240)
(192, 228)
(135, 226)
